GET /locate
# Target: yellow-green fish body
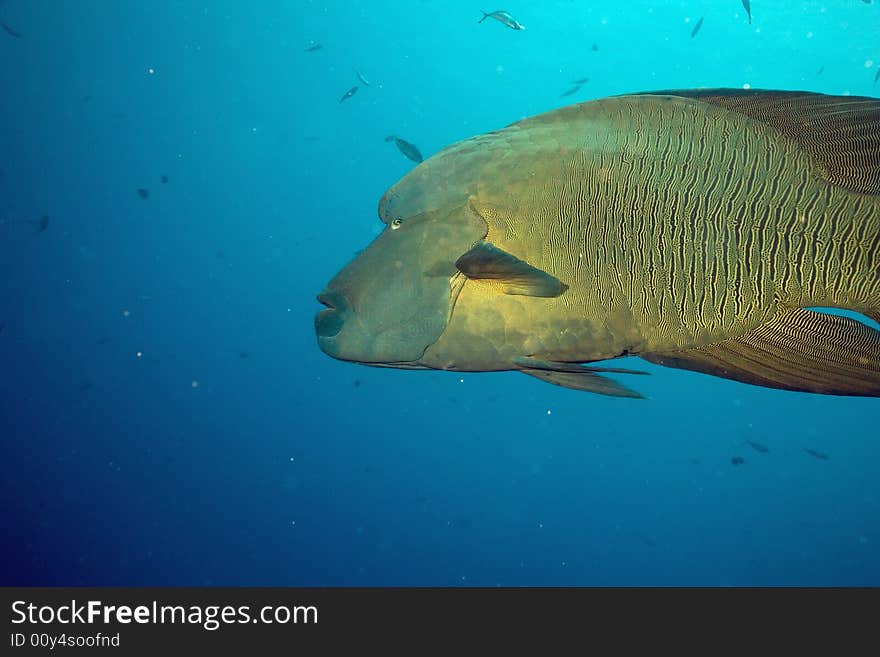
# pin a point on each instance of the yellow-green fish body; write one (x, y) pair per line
(690, 228)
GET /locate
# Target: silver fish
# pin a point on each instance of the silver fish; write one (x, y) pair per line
(348, 94)
(748, 9)
(504, 18)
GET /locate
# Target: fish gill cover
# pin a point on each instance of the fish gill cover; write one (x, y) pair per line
(179, 180)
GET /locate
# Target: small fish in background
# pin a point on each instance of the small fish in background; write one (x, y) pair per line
(504, 18)
(163, 179)
(595, 47)
(758, 447)
(105, 339)
(2, 326)
(868, 2)
(40, 225)
(571, 91)
(406, 148)
(748, 7)
(820, 71)
(737, 460)
(581, 81)
(361, 78)
(143, 192)
(877, 75)
(348, 94)
(85, 386)
(697, 28)
(314, 47)
(10, 31)
(822, 456)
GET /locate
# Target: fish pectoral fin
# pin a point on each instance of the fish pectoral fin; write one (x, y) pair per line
(486, 261)
(585, 380)
(799, 350)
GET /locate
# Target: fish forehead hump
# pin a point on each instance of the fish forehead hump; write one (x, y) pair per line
(499, 164)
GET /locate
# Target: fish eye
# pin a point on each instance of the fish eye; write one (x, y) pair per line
(395, 224)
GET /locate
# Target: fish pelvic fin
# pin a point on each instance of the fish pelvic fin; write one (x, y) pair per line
(800, 350)
(586, 381)
(578, 377)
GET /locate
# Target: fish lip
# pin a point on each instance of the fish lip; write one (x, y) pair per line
(330, 321)
(328, 324)
(333, 299)
(325, 300)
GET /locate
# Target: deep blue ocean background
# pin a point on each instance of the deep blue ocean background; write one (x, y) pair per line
(166, 415)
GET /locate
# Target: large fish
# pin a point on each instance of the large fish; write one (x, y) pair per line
(694, 229)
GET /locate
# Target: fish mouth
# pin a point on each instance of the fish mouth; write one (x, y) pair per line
(329, 322)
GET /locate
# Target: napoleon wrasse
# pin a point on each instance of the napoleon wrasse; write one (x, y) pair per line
(695, 229)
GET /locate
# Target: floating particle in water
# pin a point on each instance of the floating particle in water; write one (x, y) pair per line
(143, 192)
(194, 384)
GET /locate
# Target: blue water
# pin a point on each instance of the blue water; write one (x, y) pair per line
(167, 417)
